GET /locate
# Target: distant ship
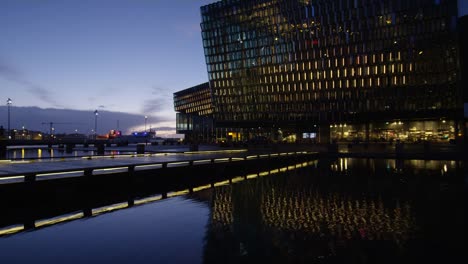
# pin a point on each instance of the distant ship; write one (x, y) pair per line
(113, 134)
(145, 134)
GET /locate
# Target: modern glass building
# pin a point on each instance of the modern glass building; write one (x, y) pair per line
(334, 69)
(194, 118)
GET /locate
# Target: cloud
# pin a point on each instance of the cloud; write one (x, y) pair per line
(67, 120)
(11, 73)
(43, 94)
(160, 91)
(154, 106)
(161, 101)
(165, 128)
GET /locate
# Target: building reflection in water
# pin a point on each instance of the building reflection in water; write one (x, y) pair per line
(338, 211)
(396, 165)
(327, 213)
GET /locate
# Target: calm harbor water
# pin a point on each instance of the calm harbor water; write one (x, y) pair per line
(41, 152)
(340, 211)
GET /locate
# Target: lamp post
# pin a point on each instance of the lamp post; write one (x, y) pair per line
(146, 119)
(95, 123)
(9, 102)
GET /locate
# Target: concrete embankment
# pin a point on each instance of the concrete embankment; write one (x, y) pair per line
(424, 150)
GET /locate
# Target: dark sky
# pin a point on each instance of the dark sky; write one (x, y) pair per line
(116, 55)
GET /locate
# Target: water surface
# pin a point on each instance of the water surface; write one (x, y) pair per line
(338, 211)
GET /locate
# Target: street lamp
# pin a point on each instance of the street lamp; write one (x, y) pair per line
(146, 119)
(95, 122)
(9, 102)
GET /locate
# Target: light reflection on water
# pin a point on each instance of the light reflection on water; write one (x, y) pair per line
(341, 164)
(34, 153)
(345, 211)
(340, 211)
(165, 232)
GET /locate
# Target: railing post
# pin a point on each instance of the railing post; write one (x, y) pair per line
(3, 150)
(130, 179)
(30, 177)
(131, 170)
(69, 147)
(140, 148)
(29, 224)
(100, 148)
(88, 212)
(88, 172)
(131, 175)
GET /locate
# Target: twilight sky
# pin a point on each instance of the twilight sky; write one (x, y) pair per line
(113, 55)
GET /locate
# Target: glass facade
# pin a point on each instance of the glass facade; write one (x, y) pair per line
(194, 113)
(307, 66)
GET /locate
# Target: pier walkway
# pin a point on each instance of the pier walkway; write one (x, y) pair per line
(45, 169)
(173, 156)
(110, 163)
